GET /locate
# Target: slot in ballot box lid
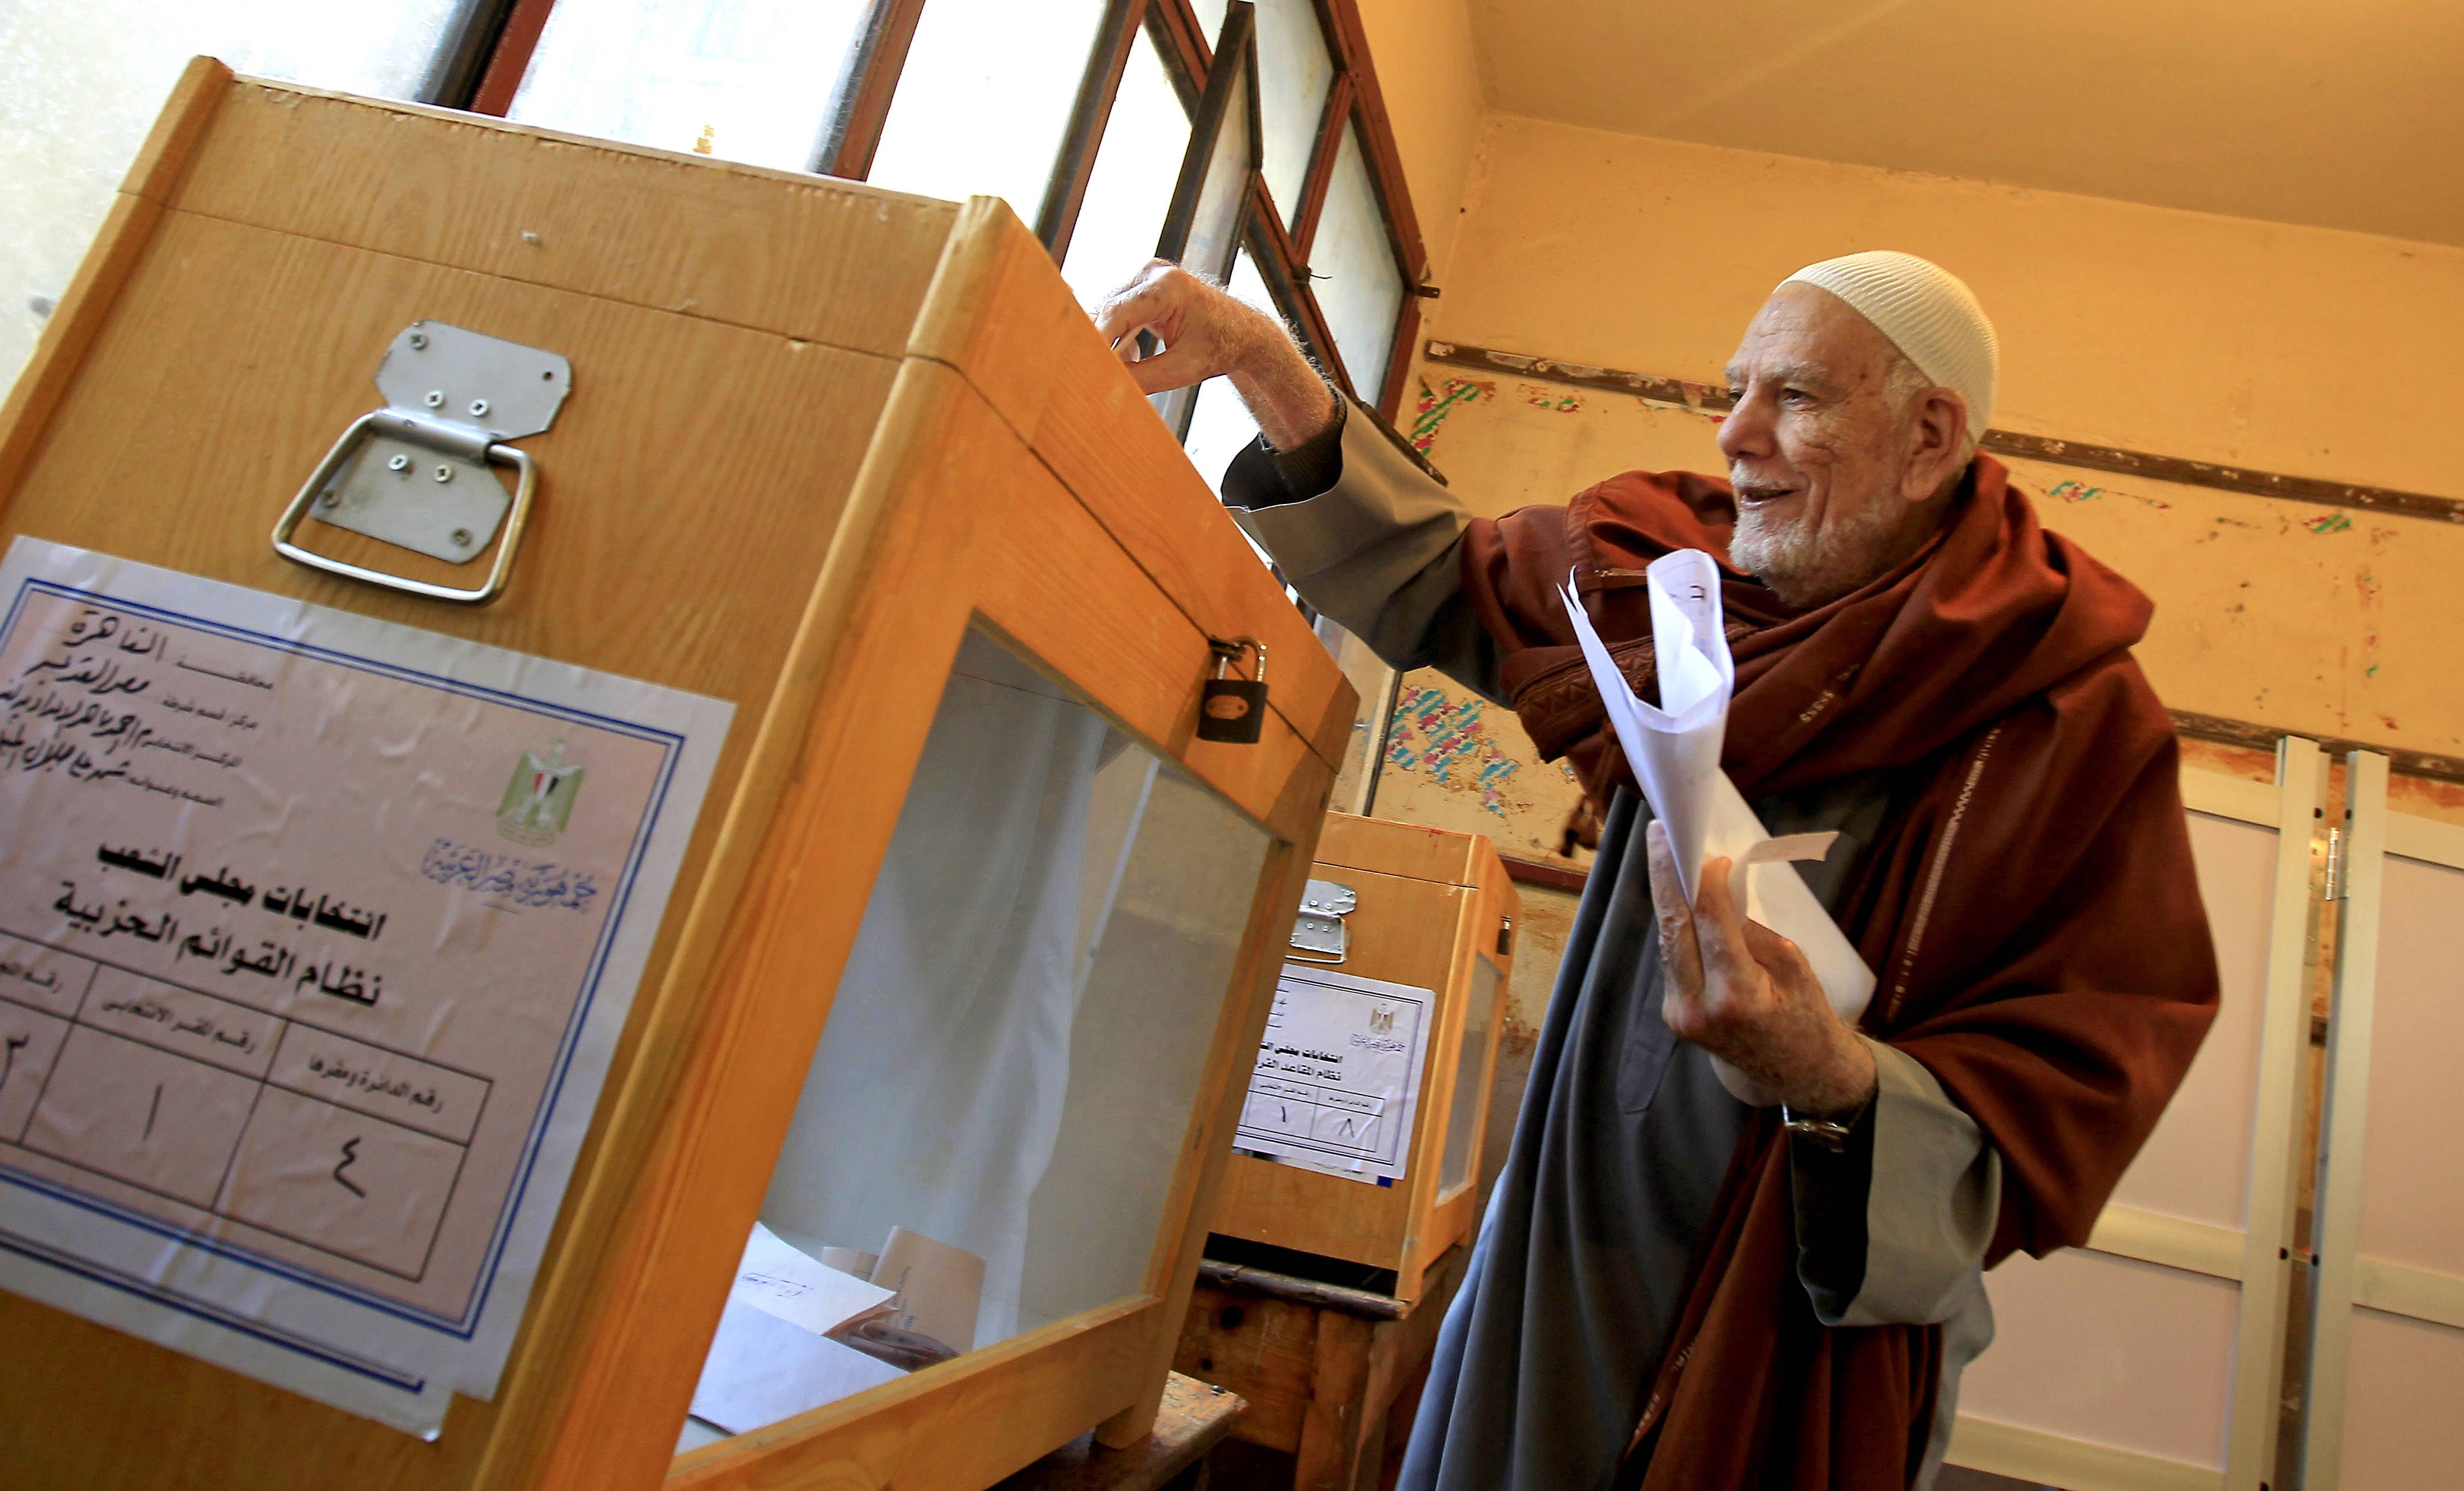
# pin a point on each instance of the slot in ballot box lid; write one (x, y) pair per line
(833, 458)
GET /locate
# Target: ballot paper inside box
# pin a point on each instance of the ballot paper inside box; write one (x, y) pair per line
(830, 739)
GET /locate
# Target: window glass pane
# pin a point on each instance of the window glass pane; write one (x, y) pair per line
(1131, 188)
(1293, 75)
(1020, 1091)
(742, 79)
(1463, 1111)
(1351, 263)
(1207, 240)
(1222, 199)
(985, 98)
(1221, 425)
(82, 80)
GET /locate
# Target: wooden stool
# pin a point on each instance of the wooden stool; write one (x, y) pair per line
(1193, 1419)
(1324, 1368)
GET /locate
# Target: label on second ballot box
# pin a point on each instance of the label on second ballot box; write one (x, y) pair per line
(1338, 1075)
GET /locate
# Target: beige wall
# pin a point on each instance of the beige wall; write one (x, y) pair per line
(2282, 349)
(2220, 339)
(2292, 349)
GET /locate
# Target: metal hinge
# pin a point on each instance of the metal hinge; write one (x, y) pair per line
(2335, 879)
(417, 472)
(1319, 930)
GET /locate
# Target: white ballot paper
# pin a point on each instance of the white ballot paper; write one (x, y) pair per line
(317, 934)
(770, 1358)
(1674, 749)
(1338, 1075)
(778, 1278)
(762, 1368)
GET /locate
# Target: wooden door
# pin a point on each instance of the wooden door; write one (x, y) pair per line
(2151, 1356)
(2387, 1291)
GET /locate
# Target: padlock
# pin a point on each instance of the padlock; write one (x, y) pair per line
(1233, 709)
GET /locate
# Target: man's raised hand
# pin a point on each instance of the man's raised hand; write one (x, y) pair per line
(1746, 995)
(1206, 333)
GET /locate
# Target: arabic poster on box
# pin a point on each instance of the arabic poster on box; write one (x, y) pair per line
(1338, 1075)
(315, 935)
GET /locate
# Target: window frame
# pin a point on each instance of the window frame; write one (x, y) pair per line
(1209, 116)
(492, 49)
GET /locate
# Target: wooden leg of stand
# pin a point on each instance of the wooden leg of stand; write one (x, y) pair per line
(1399, 1416)
(1336, 1429)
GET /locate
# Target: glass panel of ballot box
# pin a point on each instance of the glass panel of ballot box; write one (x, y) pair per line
(988, 1136)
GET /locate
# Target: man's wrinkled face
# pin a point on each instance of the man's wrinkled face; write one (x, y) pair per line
(1819, 448)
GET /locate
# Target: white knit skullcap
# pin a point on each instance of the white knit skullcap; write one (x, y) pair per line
(1928, 315)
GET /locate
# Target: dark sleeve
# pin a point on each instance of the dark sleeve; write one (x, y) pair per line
(1371, 540)
(1263, 476)
(1892, 1229)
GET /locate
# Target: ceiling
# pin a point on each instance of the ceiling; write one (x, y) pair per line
(2332, 113)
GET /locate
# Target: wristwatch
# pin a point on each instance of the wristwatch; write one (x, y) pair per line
(1825, 1134)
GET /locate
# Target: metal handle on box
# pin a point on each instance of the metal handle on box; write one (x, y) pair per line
(455, 401)
(438, 435)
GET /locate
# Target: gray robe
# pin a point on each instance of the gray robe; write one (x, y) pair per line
(1587, 1244)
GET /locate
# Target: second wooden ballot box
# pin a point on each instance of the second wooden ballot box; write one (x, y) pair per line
(1400, 923)
(645, 898)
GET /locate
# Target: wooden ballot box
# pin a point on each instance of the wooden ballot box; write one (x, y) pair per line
(811, 828)
(1430, 916)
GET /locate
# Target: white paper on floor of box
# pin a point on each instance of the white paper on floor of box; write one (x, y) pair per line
(779, 1279)
(762, 1368)
(307, 1102)
(770, 1359)
(1338, 1075)
(1674, 749)
(947, 1061)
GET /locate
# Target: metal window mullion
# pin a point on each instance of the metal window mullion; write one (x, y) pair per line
(1098, 85)
(1214, 109)
(1184, 44)
(464, 55)
(1389, 401)
(868, 81)
(1233, 70)
(1287, 279)
(1332, 121)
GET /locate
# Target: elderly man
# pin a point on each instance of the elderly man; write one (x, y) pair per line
(1679, 1285)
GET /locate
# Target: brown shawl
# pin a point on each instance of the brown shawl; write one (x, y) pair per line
(2029, 907)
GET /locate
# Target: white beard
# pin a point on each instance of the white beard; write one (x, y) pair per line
(1805, 563)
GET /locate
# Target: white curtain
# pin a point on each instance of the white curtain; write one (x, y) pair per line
(936, 1098)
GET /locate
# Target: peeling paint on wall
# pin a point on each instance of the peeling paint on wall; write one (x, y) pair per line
(1445, 739)
(1455, 760)
(2082, 492)
(2365, 584)
(1430, 411)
